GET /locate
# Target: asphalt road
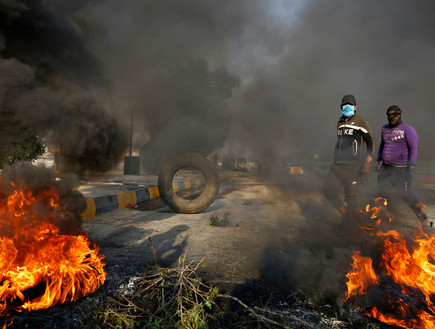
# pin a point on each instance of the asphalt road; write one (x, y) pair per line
(261, 235)
(279, 230)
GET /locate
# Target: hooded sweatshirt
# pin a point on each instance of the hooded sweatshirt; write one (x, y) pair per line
(352, 134)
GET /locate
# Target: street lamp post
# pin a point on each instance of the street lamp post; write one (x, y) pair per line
(131, 163)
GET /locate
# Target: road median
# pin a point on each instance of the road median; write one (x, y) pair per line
(136, 193)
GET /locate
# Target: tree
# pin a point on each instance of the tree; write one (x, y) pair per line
(18, 142)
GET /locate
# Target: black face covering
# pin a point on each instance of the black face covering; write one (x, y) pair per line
(392, 114)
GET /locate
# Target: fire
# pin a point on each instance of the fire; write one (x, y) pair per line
(420, 206)
(404, 280)
(376, 213)
(362, 276)
(40, 263)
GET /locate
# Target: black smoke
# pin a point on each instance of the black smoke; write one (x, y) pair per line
(169, 64)
(284, 67)
(54, 85)
(382, 52)
(263, 78)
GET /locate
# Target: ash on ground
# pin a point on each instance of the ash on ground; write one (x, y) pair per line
(260, 296)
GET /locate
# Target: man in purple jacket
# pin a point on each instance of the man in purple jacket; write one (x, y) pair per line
(398, 153)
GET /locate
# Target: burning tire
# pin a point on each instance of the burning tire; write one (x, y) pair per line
(211, 183)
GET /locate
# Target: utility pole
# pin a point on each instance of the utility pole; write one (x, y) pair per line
(131, 133)
(131, 163)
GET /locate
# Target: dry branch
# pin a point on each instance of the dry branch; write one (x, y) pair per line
(173, 297)
(252, 311)
(289, 317)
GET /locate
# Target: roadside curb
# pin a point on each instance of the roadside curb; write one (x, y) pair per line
(103, 204)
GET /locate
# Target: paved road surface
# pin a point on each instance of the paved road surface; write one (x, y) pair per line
(277, 230)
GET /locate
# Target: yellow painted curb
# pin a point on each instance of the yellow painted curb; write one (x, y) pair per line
(126, 198)
(90, 209)
(154, 192)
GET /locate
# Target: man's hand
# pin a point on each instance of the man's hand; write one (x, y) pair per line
(377, 166)
(366, 166)
(410, 172)
(408, 176)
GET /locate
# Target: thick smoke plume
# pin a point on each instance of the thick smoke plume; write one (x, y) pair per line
(51, 83)
(382, 52)
(170, 65)
(261, 78)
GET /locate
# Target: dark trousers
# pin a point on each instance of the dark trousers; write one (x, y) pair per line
(393, 182)
(342, 177)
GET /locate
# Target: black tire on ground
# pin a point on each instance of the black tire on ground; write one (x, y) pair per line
(211, 184)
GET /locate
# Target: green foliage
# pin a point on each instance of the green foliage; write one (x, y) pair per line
(19, 142)
(215, 220)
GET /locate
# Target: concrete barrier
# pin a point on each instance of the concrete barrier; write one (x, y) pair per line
(103, 204)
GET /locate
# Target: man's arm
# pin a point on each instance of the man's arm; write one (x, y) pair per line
(367, 165)
(412, 143)
(370, 142)
(380, 151)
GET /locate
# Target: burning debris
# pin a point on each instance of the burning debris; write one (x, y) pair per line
(378, 214)
(45, 257)
(396, 286)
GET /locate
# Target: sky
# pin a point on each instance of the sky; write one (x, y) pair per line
(86, 66)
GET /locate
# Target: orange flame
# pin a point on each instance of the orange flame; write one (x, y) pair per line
(411, 269)
(375, 213)
(5, 325)
(361, 277)
(40, 265)
(422, 320)
(420, 207)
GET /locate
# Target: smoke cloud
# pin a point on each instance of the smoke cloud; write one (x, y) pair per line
(261, 78)
(53, 84)
(171, 66)
(380, 52)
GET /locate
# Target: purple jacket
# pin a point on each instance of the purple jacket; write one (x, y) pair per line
(398, 146)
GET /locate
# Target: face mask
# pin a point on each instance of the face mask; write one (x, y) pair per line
(348, 110)
(394, 118)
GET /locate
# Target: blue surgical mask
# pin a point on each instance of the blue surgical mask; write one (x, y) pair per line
(348, 110)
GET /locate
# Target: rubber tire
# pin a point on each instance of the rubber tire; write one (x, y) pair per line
(208, 195)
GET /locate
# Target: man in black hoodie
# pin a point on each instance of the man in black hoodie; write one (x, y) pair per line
(350, 160)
